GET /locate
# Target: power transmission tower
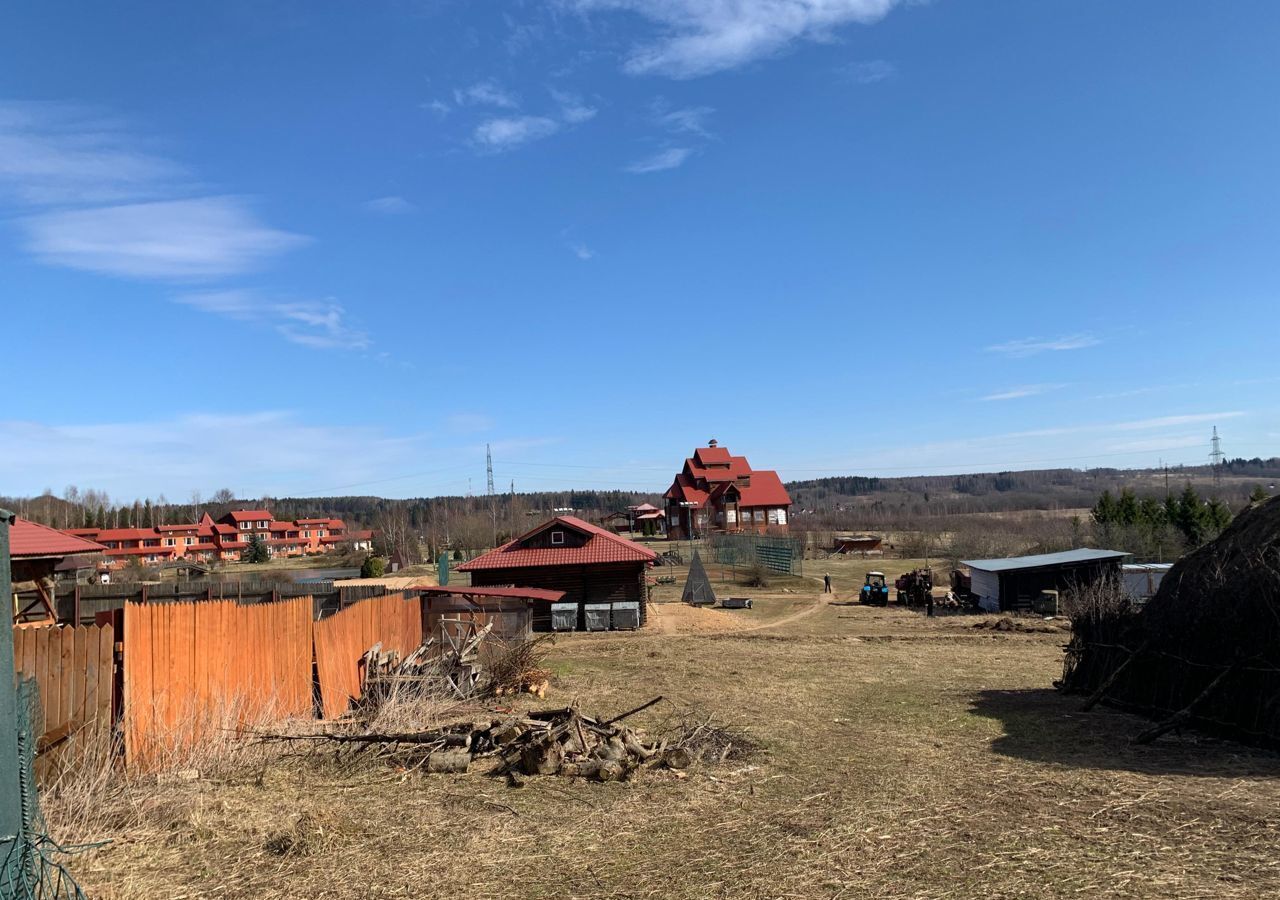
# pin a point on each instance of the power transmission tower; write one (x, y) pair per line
(1215, 457)
(493, 499)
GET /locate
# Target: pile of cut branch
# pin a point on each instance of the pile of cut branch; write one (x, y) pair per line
(517, 666)
(561, 742)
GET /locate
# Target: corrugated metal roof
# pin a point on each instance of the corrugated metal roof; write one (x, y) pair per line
(28, 539)
(601, 547)
(1043, 560)
(519, 593)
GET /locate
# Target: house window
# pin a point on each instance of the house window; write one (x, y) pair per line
(557, 537)
(732, 516)
(169, 542)
(189, 541)
(245, 526)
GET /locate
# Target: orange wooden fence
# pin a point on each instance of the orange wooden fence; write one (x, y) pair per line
(75, 672)
(193, 670)
(344, 637)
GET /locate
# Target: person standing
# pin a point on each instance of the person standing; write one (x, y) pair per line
(826, 584)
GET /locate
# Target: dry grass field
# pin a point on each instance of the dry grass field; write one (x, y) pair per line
(897, 757)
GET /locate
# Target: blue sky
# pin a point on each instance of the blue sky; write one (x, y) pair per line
(314, 247)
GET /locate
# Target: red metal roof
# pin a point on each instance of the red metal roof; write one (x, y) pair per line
(765, 490)
(28, 539)
(601, 547)
(248, 515)
(520, 593)
(706, 456)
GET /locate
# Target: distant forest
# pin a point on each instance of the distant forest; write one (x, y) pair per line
(825, 504)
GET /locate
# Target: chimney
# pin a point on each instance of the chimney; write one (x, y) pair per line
(711, 443)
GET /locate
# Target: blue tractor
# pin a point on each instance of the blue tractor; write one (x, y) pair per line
(875, 592)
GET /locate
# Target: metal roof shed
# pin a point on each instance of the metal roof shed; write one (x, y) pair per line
(1011, 584)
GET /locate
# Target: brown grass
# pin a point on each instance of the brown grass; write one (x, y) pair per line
(897, 757)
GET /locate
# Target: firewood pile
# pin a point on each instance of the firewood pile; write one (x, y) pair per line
(519, 666)
(564, 742)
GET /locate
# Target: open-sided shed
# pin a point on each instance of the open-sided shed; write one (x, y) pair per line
(1011, 584)
(34, 552)
(509, 609)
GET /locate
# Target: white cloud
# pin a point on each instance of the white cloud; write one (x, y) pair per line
(670, 158)
(507, 133)
(439, 107)
(320, 324)
(1026, 390)
(201, 238)
(1173, 421)
(698, 37)
(869, 71)
(1031, 346)
(686, 120)
(582, 251)
(175, 455)
(390, 206)
(572, 109)
(486, 93)
(54, 154)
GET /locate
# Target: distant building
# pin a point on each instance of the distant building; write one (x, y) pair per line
(588, 563)
(1142, 580)
(223, 540)
(716, 491)
(1003, 585)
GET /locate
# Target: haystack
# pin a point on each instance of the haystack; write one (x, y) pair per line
(1205, 650)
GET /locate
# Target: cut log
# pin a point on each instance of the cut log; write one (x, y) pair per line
(448, 761)
(678, 758)
(543, 758)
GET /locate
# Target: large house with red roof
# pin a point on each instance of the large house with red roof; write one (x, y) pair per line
(225, 539)
(589, 564)
(717, 491)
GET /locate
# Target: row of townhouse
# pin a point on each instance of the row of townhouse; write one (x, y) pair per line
(225, 539)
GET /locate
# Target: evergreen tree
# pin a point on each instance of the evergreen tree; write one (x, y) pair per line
(256, 552)
(1258, 495)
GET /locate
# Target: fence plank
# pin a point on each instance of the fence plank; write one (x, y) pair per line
(343, 638)
(193, 667)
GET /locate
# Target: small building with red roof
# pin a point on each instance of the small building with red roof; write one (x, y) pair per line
(34, 554)
(589, 564)
(717, 491)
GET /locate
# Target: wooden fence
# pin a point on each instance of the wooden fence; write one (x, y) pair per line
(342, 639)
(75, 671)
(193, 670)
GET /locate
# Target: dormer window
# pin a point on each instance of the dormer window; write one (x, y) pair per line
(557, 537)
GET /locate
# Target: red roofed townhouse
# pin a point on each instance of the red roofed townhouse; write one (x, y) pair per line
(718, 491)
(224, 540)
(588, 563)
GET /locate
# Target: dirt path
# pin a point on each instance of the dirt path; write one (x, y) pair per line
(681, 620)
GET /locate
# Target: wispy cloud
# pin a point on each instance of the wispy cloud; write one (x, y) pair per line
(1173, 421)
(57, 154)
(1031, 346)
(99, 202)
(437, 106)
(390, 206)
(582, 251)
(501, 134)
(671, 158)
(201, 238)
(572, 108)
(486, 93)
(142, 456)
(1026, 390)
(697, 37)
(684, 120)
(868, 71)
(319, 324)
